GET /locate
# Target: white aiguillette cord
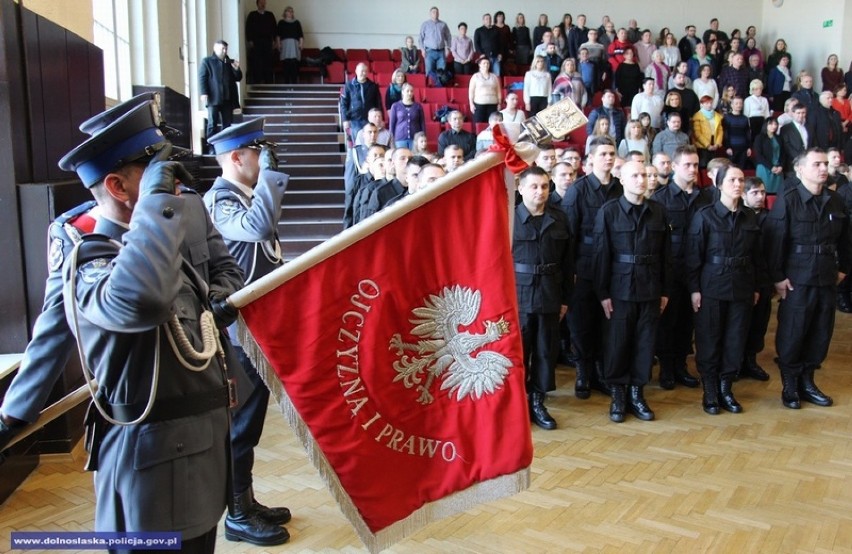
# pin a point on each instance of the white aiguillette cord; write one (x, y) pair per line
(176, 335)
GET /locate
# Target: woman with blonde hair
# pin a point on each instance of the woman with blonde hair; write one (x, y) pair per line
(569, 83)
(537, 87)
(832, 75)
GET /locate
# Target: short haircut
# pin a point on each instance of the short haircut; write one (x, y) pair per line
(683, 150)
(452, 148)
(222, 42)
(462, 24)
(635, 153)
(534, 171)
(566, 164)
(600, 141)
(753, 182)
(495, 117)
(717, 163)
(379, 147)
(419, 161)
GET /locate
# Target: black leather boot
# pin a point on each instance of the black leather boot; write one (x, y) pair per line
(682, 375)
(245, 524)
(667, 374)
(790, 391)
(566, 357)
(710, 400)
(726, 397)
(752, 370)
(597, 380)
(275, 516)
(619, 403)
(539, 414)
(638, 406)
(843, 303)
(581, 385)
(809, 392)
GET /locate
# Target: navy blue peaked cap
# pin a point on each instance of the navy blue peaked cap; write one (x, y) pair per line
(242, 135)
(131, 137)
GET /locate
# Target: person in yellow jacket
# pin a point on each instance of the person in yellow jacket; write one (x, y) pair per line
(707, 131)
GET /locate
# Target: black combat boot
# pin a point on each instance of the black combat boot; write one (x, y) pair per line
(726, 397)
(752, 369)
(538, 412)
(638, 406)
(597, 379)
(710, 400)
(682, 375)
(790, 391)
(245, 524)
(275, 516)
(565, 355)
(619, 403)
(809, 392)
(581, 385)
(667, 374)
(843, 302)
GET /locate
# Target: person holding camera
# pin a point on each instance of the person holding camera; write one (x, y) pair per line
(217, 84)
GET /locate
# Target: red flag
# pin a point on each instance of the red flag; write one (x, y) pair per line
(401, 360)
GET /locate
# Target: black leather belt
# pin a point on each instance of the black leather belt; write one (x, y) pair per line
(828, 249)
(173, 407)
(738, 262)
(638, 259)
(537, 269)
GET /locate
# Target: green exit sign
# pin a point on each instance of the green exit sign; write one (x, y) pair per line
(827, 23)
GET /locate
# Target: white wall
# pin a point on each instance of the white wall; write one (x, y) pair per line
(385, 23)
(799, 23)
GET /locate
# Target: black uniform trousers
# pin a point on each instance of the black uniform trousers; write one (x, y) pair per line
(805, 326)
(720, 336)
(629, 337)
(540, 337)
(585, 321)
(247, 425)
(674, 338)
(760, 314)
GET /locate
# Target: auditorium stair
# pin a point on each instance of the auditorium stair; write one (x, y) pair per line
(303, 120)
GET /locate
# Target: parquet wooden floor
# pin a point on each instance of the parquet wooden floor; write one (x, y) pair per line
(767, 480)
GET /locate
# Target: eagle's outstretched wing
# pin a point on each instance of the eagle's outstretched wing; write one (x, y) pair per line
(441, 315)
(484, 375)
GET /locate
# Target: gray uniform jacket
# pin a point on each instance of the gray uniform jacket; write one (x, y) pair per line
(52, 342)
(250, 225)
(169, 472)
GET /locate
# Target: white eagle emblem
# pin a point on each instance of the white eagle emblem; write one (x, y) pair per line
(446, 351)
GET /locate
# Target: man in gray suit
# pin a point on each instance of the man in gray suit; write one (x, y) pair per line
(161, 411)
(245, 205)
(52, 342)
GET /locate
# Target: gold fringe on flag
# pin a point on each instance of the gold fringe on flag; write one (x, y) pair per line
(485, 491)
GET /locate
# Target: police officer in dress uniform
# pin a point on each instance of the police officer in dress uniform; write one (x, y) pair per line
(682, 198)
(52, 342)
(141, 316)
(632, 279)
(724, 263)
(541, 248)
(245, 205)
(809, 253)
(582, 201)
